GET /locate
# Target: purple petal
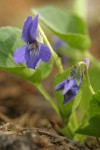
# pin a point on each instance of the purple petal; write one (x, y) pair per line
(71, 94)
(75, 90)
(60, 86)
(68, 97)
(33, 29)
(32, 60)
(26, 29)
(45, 53)
(58, 43)
(30, 29)
(69, 84)
(19, 55)
(87, 61)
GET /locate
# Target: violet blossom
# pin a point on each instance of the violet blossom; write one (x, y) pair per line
(34, 51)
(70, 87)
(58, 45)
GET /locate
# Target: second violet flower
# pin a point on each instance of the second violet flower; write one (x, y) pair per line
(71, 86)
(34, 51)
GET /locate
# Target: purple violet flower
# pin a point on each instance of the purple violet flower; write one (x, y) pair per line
(69, 87)
(34, 51)
(58, 45)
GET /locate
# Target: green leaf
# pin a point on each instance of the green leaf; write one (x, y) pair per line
(10, 39)
(66, 25)
(84, 100)
(46, 68)
(91, 124)
(25, 73)
(94, 73)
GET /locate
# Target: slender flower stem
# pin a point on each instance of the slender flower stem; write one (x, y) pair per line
(89, 84)
(56, 58)
(87, 78)
(47, 97)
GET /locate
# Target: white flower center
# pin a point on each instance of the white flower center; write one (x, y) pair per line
(34, 48)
